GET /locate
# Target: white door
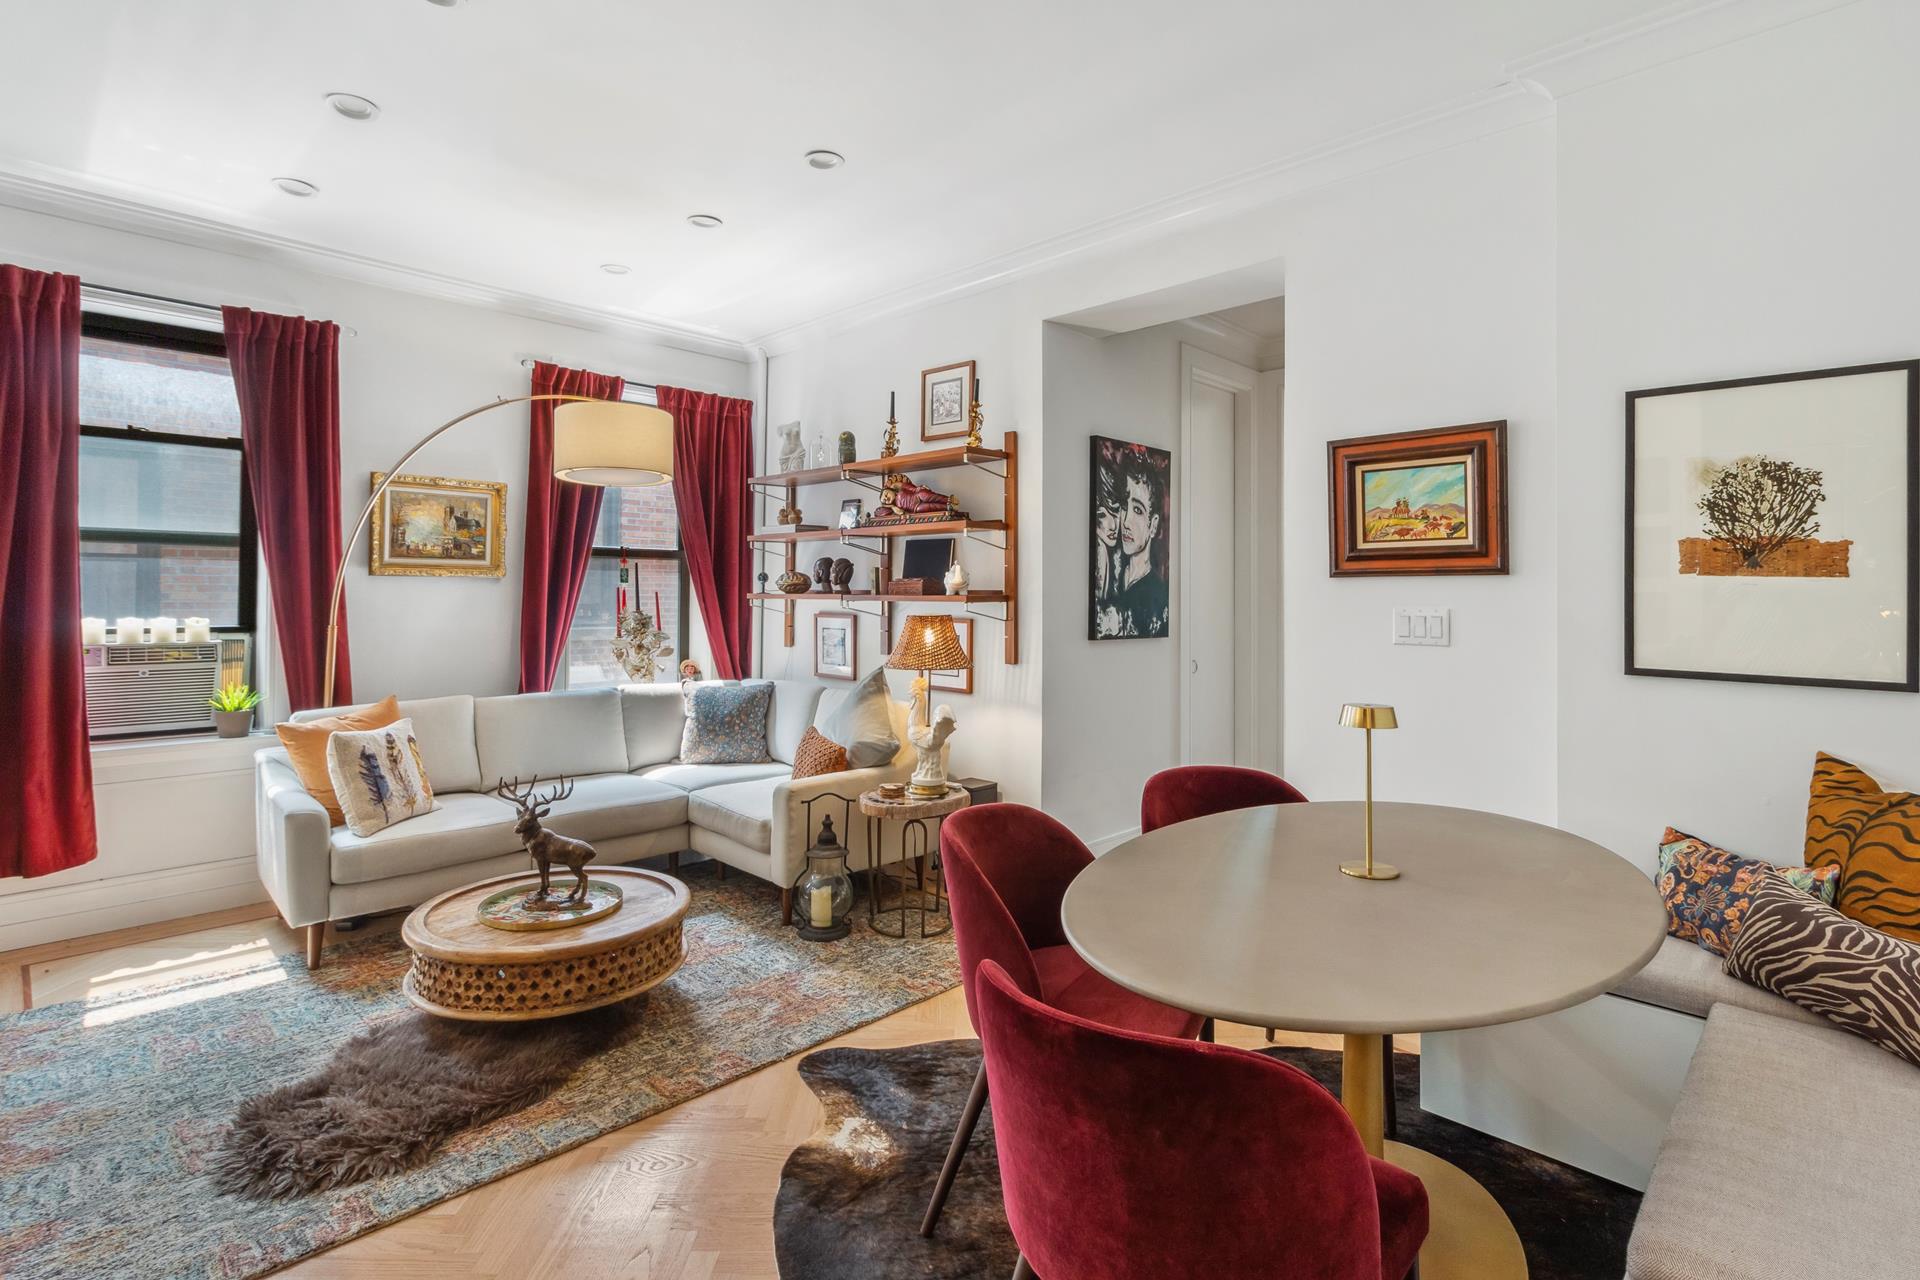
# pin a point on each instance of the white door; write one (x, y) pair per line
(1217, 416)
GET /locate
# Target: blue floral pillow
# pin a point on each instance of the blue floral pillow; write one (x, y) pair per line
(727, 724)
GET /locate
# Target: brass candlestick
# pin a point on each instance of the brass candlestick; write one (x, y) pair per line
(1368, 716)
(974, 415)
(890, 445)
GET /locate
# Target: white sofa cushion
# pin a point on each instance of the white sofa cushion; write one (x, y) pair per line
(466, 827)
(740, 811)
(549, 734)
(1690, 979)
(860, 718)
(653, 716)
(695, 777)
(444, 729)
(606, 805)
(794, 705)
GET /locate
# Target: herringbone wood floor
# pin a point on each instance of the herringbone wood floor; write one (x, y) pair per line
(685, 1195)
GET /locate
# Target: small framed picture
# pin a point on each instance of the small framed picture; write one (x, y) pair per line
(431, 526)
(946, 401)
(851, 512)
(835, 639)
(958, 681)
(1419, 502)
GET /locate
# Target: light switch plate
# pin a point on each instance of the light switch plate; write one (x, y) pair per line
(1423, 626)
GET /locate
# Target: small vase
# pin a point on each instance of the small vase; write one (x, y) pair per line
(233, 724)
(793, 582)
(956, 580)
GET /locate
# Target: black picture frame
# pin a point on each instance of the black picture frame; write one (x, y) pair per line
(1911, 430)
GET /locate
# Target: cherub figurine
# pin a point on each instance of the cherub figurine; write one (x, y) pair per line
(930, 771)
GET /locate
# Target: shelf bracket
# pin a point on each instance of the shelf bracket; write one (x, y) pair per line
(983, 539)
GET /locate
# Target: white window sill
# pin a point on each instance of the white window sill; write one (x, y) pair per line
(175, 756)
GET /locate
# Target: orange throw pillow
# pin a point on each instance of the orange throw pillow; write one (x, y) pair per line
(306, 746)
(1873, 836)
(818, 754)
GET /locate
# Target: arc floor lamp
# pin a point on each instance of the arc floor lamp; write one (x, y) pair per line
(606, 443)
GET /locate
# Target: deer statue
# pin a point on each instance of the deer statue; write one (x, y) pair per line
(546, 847)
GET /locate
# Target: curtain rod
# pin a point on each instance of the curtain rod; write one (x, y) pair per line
(150, 305)
(527, 362)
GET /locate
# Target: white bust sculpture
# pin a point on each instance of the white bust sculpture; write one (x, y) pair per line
(929, 740)
(793, 454)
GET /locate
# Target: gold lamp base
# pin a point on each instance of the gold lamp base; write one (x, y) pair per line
(1377, 871)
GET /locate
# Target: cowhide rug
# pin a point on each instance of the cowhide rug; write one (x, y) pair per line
(851, 1197)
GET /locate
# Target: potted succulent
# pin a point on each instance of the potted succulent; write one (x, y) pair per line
(233, 710)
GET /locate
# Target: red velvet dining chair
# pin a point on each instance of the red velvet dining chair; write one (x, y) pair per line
(1139, 1157)
(1007, 868)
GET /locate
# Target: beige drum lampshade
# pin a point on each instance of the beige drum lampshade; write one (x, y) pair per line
(928, 642)
(612, 444)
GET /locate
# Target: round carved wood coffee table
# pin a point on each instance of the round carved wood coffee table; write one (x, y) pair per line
(465, 969)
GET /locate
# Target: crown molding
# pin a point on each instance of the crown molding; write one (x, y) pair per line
(62, 194)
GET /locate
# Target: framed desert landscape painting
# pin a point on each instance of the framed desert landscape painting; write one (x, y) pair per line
(1770, 529)
(436, 527)
(1419, 502)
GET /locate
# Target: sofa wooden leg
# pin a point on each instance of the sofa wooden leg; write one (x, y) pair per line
(1021, 1269)
(673, 862)
(786, 906)
(316, 938)
(962, 1135)
(720, 870)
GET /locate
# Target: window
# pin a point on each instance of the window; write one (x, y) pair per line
(644, 525)
(166, 523)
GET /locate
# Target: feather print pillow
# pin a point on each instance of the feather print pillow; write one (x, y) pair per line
(378, 775)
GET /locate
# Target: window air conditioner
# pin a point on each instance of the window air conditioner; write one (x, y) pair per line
(158, 688)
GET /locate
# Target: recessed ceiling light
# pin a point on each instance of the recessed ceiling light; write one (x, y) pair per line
(444, 4)
(703, 220)
(353, 106)
(615, 268)
(825, 159)
(296, 187)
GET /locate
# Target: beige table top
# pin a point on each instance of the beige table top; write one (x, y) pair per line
(447, 929)
(1245, 916)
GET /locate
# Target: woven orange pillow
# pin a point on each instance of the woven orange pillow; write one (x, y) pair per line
(818, 754)
(1873, 836)
(306, 746)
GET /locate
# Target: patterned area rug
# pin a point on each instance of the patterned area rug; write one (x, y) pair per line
(111, 1111)
(851, 1198)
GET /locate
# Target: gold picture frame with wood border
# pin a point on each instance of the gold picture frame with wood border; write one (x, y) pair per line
(946, 401)
(439, 527)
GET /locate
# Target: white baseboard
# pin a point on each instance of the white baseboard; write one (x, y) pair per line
(1108, 843)
(32, 917)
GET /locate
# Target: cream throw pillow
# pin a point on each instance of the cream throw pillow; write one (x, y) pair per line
(378, 775)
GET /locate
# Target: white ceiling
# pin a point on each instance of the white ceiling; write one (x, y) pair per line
(521, 145)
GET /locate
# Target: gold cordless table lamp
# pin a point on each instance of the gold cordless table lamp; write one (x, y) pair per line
(1369, 716)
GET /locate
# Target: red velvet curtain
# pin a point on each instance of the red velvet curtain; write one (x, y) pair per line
(559, 537)
(46, 787)
(286, 370)
(712, 462)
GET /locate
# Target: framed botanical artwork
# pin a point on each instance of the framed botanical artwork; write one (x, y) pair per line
(1419, 502)
(1130, 574)
(946, 400)
(835, 642)
(435, 527)
(958, 681)
(1770, 529)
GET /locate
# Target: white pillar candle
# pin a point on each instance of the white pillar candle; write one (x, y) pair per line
(93, 631)
(197, 631)
(820, 907)
(129, 630)
(161, 630)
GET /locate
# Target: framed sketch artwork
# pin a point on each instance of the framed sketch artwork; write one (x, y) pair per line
(946, 397)
(1130, 571)
(1770, 529)
(835, 636)
(1419, 502)
(435, 527)
(958, 681)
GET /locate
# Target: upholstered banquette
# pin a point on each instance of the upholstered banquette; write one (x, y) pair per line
(632, 797)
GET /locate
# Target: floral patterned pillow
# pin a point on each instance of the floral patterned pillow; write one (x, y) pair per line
(1709, 891)
(726, 724)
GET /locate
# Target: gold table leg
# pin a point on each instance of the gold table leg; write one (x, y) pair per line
(1469, 1236)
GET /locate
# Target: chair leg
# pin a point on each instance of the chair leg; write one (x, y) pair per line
(316, 939)
(786, 905)
(1021, 1269)
(1206, 1031)
(962, 1135)
(1386, 1081)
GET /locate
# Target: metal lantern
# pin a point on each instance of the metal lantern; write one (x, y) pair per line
(825, 888)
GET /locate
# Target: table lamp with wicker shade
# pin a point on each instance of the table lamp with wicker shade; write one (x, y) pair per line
(928, 643)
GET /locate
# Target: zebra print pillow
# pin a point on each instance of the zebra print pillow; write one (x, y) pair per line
(1873, 836)
(1847, 972)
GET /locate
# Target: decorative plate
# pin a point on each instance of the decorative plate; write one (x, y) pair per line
(516, 909)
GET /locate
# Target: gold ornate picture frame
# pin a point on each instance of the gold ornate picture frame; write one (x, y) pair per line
(437, 527)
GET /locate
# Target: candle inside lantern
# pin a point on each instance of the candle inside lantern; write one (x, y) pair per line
(197, 631)
(820, 907)
(93, 631)
(161, 630)
(128, 630)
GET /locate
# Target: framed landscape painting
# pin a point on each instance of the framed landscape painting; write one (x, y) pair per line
(1419, 502)
(436, 527)
(1770, 529)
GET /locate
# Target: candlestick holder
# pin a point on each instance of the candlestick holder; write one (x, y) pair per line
(974, 417)
(890, 445)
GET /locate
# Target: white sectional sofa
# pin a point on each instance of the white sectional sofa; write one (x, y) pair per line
(632, 798)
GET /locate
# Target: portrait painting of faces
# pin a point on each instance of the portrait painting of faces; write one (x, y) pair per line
(1130, 572)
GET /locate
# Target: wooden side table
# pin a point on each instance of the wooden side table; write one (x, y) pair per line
(912, 816)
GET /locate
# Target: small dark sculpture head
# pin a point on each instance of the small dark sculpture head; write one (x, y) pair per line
(822, 570)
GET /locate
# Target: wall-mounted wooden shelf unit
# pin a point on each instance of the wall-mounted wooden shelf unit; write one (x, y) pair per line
(1002, 463)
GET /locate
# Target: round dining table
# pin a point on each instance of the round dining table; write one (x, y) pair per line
(1245, 917)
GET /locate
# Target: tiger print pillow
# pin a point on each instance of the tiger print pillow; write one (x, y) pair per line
(1849, 973)
(1873, 836)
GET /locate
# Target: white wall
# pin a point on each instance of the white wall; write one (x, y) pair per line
(1744, 211)
(176, 820)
